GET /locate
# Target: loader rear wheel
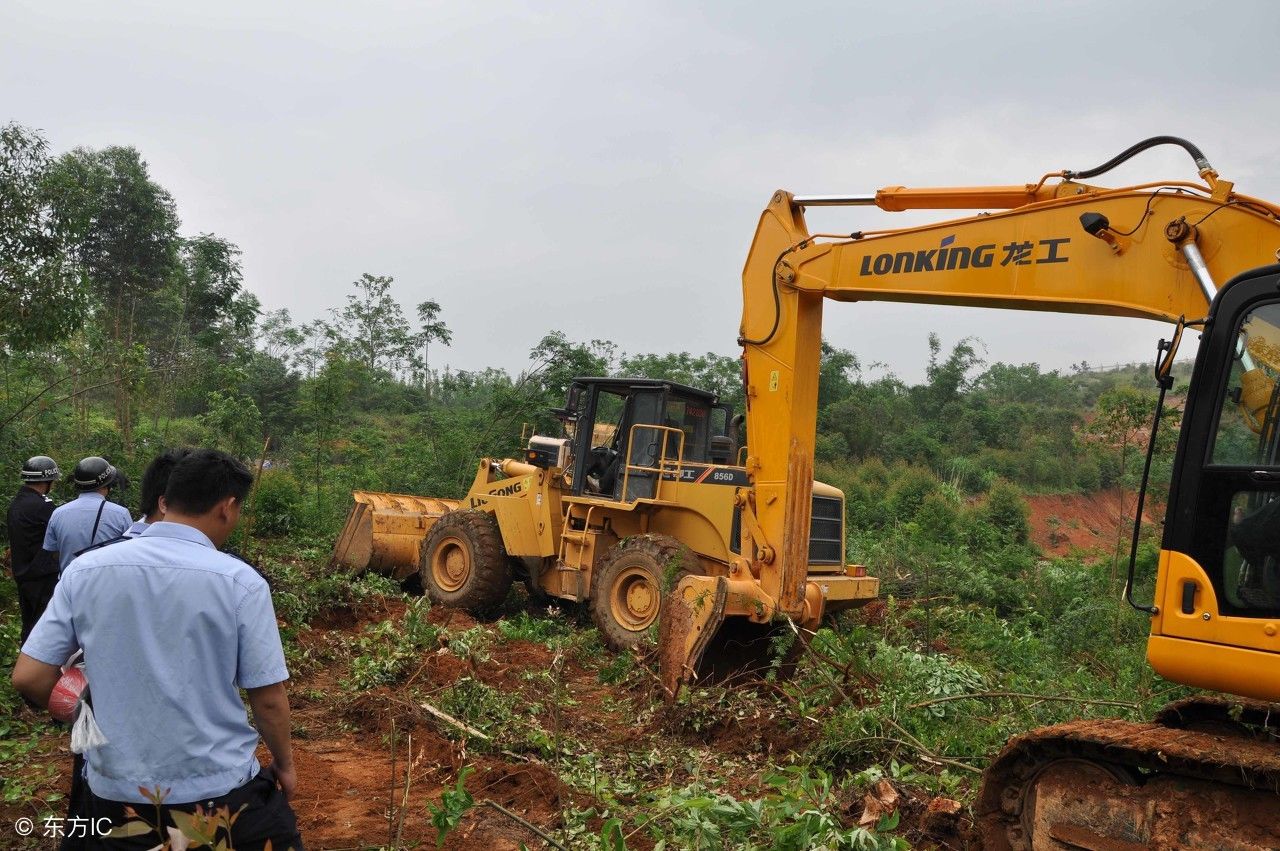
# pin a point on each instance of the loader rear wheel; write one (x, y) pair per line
(462, 563)
(627, 589)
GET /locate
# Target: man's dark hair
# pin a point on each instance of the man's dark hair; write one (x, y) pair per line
(203, 479)
(156, 479)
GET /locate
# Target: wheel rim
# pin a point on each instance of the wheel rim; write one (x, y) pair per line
(451, 564)
(634, 599)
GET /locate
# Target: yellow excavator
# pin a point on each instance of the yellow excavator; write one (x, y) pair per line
(666, 518)
(1206, 772)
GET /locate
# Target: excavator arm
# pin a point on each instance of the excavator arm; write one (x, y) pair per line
(1156, 251)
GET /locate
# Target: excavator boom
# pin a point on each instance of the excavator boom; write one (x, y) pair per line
(1203, 773)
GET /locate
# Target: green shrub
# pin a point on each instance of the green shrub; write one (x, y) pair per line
(908, 491)
(939, 518)
(1008, 512)
(277, 507)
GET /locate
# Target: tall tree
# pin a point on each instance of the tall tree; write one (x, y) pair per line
(373, 325)
(125, 230)
(432, 330)
(41, 293)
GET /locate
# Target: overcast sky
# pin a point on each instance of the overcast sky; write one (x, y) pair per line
(598, 168)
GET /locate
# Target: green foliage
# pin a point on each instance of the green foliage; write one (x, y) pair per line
(276, 508)
(385, 651)
(544, 630)
(41, 299)
(454, 804)
(907, 493)
(802, 811)
(1007, 512)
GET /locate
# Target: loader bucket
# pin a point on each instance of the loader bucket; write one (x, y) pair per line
(704, 634)
(384, 531)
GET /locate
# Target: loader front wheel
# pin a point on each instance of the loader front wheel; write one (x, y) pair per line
(462, 563)
(627, 590)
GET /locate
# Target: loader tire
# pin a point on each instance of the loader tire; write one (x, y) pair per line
(462, 562)
(628, 588)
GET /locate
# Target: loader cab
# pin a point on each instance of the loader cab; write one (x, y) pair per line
(628, 433)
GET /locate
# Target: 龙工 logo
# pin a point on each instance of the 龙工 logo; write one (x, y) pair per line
(948, 257)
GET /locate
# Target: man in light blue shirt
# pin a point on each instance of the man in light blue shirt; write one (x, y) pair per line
(172, 629)
(89, 518)
(154, 482)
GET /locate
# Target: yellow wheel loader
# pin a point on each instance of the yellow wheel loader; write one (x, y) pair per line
(643, 491)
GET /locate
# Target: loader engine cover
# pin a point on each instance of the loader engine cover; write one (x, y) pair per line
(548, 452)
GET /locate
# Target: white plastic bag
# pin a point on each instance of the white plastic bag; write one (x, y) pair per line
(85, 733)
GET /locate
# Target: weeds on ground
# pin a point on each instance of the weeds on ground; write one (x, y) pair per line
(802, 811)
(454, 804)
(384, 652)
(25, 768)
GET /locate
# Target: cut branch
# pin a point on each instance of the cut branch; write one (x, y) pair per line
(489, 802)
(992, 695)
(441, 715)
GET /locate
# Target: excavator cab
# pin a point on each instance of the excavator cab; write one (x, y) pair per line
(1219, 592)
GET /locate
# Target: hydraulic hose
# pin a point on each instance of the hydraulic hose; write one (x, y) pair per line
(1202, 162)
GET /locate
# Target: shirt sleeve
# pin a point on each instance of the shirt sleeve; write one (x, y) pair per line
(53, 638)
(51, 536)
(260, 659)
(117, 523)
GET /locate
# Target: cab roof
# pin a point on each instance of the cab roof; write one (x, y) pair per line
(626, 385)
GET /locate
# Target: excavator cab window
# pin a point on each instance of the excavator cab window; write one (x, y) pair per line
(1225, 502)
(1248, 434)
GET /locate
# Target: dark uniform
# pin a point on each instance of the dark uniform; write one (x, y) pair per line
(34, 568)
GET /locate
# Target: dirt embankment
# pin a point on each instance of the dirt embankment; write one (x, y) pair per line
(1087, 524)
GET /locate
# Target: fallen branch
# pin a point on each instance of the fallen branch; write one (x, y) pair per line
(808, 648)
(489, 802)
(441, 715)
(927, 754)
(1017, 694)
(924, 754)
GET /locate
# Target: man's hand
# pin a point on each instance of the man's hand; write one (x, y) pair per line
(270, 705)
(286, 779)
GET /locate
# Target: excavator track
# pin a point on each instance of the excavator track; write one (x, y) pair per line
(1206, 775)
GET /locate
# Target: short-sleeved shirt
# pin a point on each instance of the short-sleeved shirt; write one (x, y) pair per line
(136, 529)
(28, 519)
(71, 526)
(171, 630)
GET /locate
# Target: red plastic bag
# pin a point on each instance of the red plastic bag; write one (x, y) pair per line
(66, 694)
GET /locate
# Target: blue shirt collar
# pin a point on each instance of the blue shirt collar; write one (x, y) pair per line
(91, 495)
(165, 529)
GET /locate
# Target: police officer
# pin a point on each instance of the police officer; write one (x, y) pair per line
(35, 570)
(89, 518)
(166, 687)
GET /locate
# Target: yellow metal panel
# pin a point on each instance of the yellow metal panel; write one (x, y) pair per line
(1175, 568)
(384, 531)
(1234, 670)
(839, 588)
